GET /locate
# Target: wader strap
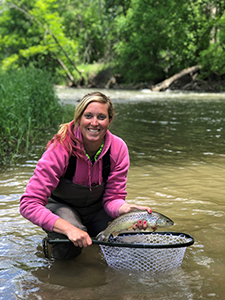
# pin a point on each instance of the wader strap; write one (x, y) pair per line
(106, 166)
(72, 167)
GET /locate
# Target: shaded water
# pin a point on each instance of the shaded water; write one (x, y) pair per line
(176, 144)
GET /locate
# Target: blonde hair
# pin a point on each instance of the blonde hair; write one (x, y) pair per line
(65, 134)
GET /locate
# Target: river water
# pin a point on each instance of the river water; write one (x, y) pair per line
(176, 144)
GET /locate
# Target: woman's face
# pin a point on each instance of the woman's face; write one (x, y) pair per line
(94, 123)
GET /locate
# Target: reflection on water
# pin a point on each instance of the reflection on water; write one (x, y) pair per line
(172, 131)
(176, 144)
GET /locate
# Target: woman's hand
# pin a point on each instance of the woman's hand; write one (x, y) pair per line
(125, 208)
(79, 237)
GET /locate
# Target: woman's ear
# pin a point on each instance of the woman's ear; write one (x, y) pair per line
(110, 121)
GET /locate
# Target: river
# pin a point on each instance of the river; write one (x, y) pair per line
(176, 144)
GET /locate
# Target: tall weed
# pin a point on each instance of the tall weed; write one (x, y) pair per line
(28, 106)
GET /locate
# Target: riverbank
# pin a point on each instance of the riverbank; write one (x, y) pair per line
(190, 82)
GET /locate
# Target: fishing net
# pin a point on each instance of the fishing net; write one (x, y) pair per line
(146, 251)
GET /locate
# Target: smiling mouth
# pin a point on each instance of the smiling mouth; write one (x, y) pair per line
(93, 130)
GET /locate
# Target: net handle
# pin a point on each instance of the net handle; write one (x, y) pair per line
(130, 245)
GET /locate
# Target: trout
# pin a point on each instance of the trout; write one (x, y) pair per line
(127, 221)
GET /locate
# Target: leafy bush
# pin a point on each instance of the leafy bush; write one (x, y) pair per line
(212, 60)
(28, 106)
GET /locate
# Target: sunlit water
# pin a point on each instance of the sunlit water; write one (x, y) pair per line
(176, 143)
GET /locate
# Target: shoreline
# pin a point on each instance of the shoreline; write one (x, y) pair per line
(196, 86)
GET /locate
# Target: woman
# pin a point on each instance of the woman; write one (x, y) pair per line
(78, 185)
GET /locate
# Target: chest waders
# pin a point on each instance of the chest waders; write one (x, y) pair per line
(80, 205)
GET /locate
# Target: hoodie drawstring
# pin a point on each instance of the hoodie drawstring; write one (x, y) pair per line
(89, 174)
(100, 172)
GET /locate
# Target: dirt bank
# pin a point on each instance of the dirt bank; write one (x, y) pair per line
(190, 82)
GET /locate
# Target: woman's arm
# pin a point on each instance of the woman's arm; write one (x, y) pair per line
(46, 177)
(115, 190)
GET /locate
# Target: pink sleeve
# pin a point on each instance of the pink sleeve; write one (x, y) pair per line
(115, 191)
(45, 179)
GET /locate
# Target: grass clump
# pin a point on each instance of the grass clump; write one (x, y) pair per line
(28, 106)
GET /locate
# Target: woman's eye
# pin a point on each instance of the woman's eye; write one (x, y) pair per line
(101, 117)
(87, 116)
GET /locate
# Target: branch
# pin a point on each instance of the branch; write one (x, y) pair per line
(69, 75)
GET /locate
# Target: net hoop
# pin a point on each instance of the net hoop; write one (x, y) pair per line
(113, 242)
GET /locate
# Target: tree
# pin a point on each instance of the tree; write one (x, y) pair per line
(212, 57)
(40, 25)
(160, 38)
(83, 22)
(147, 40)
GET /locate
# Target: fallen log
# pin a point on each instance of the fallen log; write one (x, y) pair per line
(166, 83)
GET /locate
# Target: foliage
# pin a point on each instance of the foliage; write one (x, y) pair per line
(212, 58)
(55, 31)
(147, 40)
(159, 38)
(39, 39)
(28, 106)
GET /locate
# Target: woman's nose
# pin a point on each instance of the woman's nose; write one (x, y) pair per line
(94, 121)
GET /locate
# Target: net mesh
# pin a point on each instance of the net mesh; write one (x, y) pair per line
(147, 259)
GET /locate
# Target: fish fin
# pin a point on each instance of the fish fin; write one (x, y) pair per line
(154, 228)
(115, 233)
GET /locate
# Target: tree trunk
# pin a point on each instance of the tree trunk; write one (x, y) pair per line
(166, 83)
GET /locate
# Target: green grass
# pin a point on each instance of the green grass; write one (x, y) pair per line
(28, 107)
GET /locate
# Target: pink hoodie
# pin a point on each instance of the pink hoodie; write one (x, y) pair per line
(53, 165)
